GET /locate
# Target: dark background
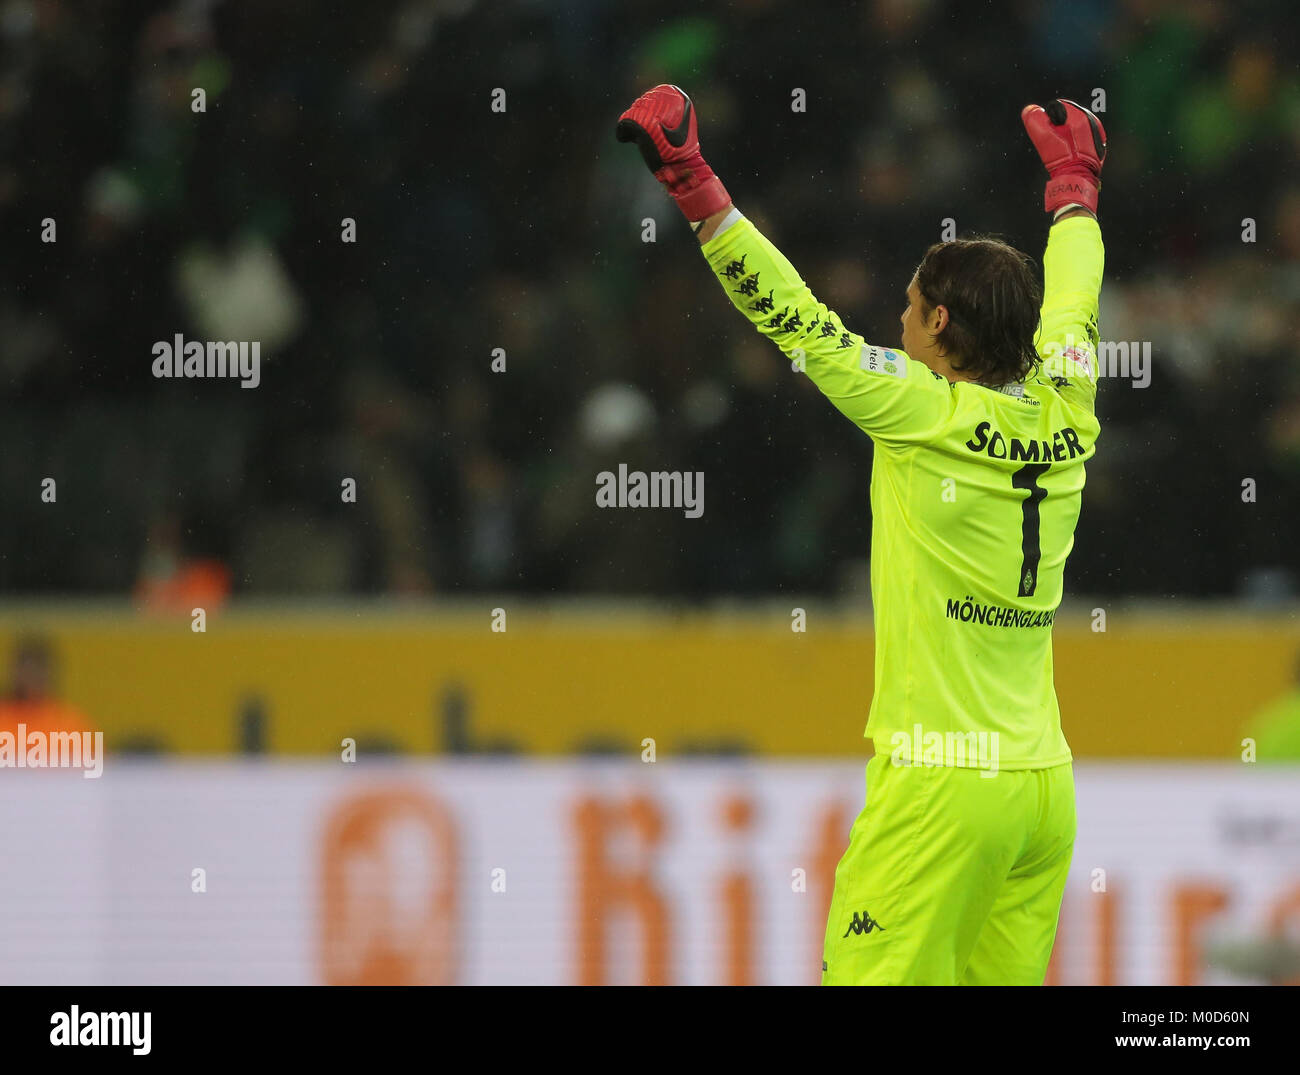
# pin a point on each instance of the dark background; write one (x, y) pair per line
(522, 230)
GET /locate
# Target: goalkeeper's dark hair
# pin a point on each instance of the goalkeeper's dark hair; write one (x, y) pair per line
(993, 298)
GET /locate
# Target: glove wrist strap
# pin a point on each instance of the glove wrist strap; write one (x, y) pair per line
(701, 202)
(1071, 189)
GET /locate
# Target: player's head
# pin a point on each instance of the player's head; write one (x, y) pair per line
(972, 312)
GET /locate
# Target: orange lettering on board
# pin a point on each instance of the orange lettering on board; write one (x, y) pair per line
(832, 829)
(737, 892)
(388, 891)
(1192, 905)
(1107, 913)
(1286, 908)
(607, 890)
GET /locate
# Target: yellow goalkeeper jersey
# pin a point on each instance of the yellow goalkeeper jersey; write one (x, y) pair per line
(975, 493)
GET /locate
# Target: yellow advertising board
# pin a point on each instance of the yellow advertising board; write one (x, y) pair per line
(554, 682)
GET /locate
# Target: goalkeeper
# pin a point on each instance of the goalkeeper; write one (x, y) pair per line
(982, 422)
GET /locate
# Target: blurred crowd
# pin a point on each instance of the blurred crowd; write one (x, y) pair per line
(514, 235)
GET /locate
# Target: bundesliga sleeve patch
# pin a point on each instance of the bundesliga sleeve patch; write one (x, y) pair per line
(883, 360)
(1080, 357)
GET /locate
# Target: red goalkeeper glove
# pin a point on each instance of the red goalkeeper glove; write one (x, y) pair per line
(1072, 145)
(662, 124)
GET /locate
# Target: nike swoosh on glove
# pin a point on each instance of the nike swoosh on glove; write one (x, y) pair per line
(662, 123)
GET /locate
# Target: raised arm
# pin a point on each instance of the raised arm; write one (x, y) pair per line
(1072, 145)
(879, 389)
(1068, 336)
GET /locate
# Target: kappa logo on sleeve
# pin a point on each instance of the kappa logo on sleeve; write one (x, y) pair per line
(883, 360)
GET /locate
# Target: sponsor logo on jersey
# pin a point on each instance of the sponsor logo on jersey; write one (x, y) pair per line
(883, 360)
(1016, 390)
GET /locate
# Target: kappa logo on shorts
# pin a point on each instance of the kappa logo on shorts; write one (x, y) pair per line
(862, 923)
